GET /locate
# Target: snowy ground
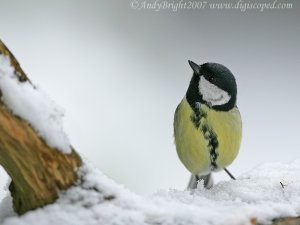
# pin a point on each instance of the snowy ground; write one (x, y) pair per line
(267, 192)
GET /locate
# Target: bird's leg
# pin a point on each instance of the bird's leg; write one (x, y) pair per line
(192, 182)
(208, 181)
(229, 174)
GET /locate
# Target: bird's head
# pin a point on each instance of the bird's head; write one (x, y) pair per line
(212, 84)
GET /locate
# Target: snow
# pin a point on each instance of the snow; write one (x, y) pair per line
(34, 106)
(3, 182)
(96, 199)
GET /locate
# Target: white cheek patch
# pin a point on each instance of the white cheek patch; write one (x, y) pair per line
(212, 94)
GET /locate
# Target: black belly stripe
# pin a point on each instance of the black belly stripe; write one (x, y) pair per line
(208, 134)
(197, 115)
(213, 144)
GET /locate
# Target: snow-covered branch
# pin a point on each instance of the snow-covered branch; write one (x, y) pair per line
(34, 150)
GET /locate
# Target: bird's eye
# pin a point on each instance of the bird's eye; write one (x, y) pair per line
(211, 79)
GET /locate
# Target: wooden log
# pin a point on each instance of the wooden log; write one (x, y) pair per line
(38, 171)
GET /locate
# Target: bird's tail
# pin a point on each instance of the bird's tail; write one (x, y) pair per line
(208, 181)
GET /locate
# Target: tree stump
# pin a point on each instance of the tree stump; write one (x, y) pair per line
(38, 171)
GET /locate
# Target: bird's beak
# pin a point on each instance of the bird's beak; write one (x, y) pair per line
(195, 67)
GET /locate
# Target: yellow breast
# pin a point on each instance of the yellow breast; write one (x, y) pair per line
(194, 145)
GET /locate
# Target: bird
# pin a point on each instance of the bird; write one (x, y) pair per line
(207, 123)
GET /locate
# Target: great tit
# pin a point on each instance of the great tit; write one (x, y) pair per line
(207, 123)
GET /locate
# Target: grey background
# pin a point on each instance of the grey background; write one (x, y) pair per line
(120, 73)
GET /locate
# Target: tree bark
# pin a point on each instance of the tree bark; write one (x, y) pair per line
(287, 221)
(38, 172)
